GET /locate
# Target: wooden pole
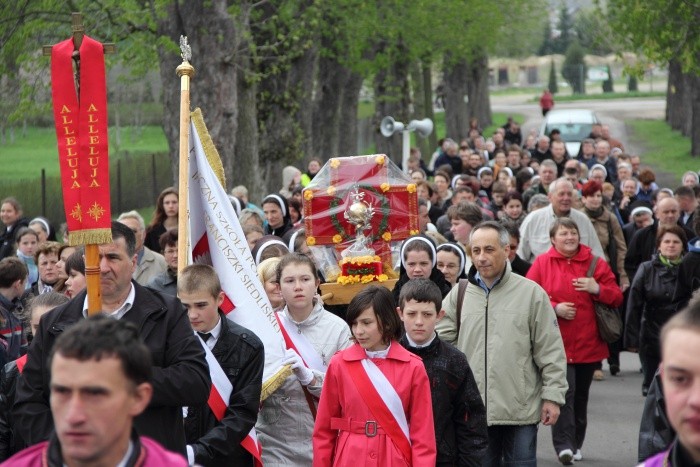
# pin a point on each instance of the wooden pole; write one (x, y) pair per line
(185, 71)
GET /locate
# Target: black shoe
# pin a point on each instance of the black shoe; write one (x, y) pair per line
(645, 390)
(614, 369)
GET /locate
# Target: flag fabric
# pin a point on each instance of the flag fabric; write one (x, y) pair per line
(216, 238)
(81, 132)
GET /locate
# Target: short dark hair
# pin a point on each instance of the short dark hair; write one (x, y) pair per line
(99, 337)
(685, 191)
(382, 302)
(466, 211)
(120, 230)
(12, 269)
(512, 228)
(295, 258)
(676, 230)
(76, 262)
(168, 238)
(688, 318)
(421, 290)
(565, 222)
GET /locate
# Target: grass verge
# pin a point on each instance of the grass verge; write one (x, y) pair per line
(666, 149)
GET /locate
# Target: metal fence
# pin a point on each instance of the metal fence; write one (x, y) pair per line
(135, 182)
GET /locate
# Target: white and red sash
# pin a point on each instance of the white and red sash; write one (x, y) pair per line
(383, 401)
(221, 389)
(298, 341)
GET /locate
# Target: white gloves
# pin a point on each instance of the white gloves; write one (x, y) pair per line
(303, 374)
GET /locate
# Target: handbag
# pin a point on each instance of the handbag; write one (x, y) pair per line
(608, 319)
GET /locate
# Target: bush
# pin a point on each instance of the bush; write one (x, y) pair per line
(574, 68)
(552, 86)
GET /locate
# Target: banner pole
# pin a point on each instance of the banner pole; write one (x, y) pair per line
(185, 71)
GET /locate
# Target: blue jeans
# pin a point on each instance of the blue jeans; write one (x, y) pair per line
(512, 445)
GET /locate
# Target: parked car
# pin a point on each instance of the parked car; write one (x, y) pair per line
(574, 125)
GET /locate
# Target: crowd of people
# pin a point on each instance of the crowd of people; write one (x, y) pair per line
(492, 318)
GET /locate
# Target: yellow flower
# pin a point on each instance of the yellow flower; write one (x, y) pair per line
(311, 241)
(379, 160)
(335, 163)
(367, 278)
(376, 258)
(411, 187)
(385, 187)
(414, 232)
(386, 236)
(337, 238)
(308, 195)
(382, 277)
(330, 190)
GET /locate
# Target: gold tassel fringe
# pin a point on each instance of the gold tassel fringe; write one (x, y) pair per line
(208, 146)
(90, 237)
(275, 381)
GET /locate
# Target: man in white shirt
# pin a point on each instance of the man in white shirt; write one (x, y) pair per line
(534, 231)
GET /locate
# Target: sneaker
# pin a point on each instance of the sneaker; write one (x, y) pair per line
(614, 369)
(598, 375)
(566, 457)
(578, 456)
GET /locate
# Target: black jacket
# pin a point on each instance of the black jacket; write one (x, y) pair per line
(180, 371)
(9, 442)
(649, 305)
(642, 247)
(242, 357)
(458, 411)
(688, 276)
(436, 277)
(7, 237)
(655, 431)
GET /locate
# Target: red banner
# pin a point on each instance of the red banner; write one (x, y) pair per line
(81, 131)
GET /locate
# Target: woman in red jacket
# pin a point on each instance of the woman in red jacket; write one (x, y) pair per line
(375, 405)
(562, 272)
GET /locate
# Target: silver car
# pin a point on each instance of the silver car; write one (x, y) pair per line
(575, 125)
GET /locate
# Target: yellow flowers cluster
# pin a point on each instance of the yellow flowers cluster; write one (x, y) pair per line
(367, 259)
(310, 241)
(366, 279)
(335, 163)
(330, 190)
(384, 187)
(337, 238)
(411, 187)
(414, 232)
(308, 195)
(379, 160)
(386, 236)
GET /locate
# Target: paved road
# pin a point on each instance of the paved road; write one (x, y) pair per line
(615, 405)
(614, 112)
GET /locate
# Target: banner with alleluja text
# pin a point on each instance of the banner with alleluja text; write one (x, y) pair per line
(80, 115)
(216, 238)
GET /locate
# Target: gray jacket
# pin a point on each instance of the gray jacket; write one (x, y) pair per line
(285, 423)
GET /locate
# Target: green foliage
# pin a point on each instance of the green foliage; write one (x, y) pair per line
(552, 86)
(547, 46)
(594, 32)
(562, 43)
(574, 68)
(660, 29)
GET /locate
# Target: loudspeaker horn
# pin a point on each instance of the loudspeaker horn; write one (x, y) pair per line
(389, 126)
(422, 127)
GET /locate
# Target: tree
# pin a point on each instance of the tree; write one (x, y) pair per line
(574, 68)
(547, 46)
(666, 31)
(608, 83)
(594, 32)
(552, 86)
(562, 43)
(632, 85)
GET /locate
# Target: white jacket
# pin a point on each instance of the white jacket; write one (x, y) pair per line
(285, 424)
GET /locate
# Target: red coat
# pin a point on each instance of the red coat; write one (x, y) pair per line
(340, 399)
(555, 274)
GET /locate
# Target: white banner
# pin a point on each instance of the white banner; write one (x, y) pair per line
(216, 238)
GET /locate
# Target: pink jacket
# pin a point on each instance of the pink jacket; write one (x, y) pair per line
(151, 454)
(555, 274)
(340, 399)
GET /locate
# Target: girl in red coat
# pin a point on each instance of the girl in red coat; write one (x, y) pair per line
(562, 273)
(375, 407)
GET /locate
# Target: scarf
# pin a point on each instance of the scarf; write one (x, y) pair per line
(670, 263)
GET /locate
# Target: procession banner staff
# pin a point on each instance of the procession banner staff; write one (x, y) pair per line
(80, 115)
